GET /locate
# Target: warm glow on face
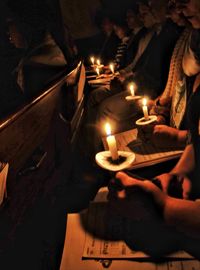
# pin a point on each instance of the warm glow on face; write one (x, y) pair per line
(112, 68)
(108, 129)
(98, 62)
(144, 101)
(92, 60)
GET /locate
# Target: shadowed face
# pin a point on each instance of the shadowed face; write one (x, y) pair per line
(132, 19)
(120, 31)
(146, 15)
(191, 10)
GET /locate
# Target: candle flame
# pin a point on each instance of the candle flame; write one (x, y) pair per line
(97, 71)
(112, 68)
(132, 90)
(92, 59)
(108, 129)
(144, 101)
(98, 62)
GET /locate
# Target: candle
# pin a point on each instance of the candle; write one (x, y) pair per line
(98, 62)
(145, 109)
(92, 60)
(112, 146)
(132, 90)
(112, 68)
(97, 71)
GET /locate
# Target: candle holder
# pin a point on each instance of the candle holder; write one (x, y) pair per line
(129, 98)
(104, 160)
(142, 121)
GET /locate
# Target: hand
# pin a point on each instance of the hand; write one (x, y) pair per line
(167, 178)
(120, 77)
(133, 199)
(164, 135)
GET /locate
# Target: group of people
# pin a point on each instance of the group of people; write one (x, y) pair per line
(165, 65)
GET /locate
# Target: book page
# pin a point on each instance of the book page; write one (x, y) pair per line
(146, 154)
(3, 178)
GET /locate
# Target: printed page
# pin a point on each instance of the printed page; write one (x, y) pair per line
(146, 154)
(101, 231)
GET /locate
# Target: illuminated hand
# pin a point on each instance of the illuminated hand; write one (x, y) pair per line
(133, 200)
(167, 178)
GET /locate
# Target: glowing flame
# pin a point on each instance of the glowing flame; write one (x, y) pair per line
(144, 101)
(132, 90)
(97, 71)
(108, 129)
(112, 68)
(92, 60)
(98, 62)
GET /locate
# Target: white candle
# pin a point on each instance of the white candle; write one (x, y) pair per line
(112, 146)
(132, 90)
(145, 109)
(98, 62)
(92, 60)
(97, 71)
(112, 68)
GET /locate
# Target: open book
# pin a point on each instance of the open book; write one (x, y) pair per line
(3, 178)
(146, 153)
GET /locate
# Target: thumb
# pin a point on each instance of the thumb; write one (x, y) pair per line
(187, 186)
(124, 179)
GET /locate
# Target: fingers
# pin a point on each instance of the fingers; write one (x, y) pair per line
(165, 180)
(187, 186)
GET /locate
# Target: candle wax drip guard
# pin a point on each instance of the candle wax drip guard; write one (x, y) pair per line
(133, 97)
(142, 121)
(104, 160)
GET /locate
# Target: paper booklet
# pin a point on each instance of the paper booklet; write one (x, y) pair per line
(146, 153)
(102, 226)
(3, 178)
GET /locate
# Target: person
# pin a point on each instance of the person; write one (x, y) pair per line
(150, 72)
(121, 31)
(108, 40)
(137, 31)
(175, 213)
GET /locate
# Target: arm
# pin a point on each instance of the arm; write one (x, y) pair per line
(186, 163)
(175, 212)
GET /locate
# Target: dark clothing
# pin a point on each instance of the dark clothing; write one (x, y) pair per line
(194, 126)
(151, 70)
(38, 17)
(132, 47)
(108, 48)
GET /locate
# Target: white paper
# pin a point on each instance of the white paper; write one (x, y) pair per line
(3, 178)
(146, 154)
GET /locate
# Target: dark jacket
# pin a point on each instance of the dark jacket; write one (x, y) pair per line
(151, 70)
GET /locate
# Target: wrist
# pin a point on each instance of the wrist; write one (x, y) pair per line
(182, 137)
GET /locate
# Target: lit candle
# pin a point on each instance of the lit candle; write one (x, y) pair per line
(132, 90)
(112, 68)
(112, 146)
(97, 71)
(92, 60)
(145, 109)
(98, 62)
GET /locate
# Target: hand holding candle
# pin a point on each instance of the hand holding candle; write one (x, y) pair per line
(112, 146)
(145, 109)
